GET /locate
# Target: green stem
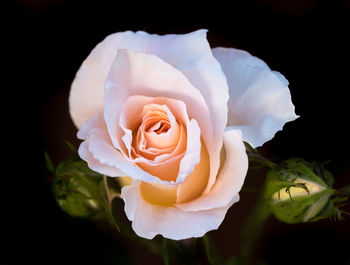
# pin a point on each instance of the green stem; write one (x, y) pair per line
(257, 158)
(343, 192)
(252, 231)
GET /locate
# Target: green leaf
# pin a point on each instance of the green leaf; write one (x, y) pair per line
(71, 147)
(49, 164)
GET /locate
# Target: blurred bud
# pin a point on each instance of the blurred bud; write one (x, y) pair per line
(77, 190)
(299, 191)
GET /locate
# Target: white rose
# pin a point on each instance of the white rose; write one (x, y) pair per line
(161, 109)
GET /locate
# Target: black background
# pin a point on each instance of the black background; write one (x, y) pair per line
(43, 44)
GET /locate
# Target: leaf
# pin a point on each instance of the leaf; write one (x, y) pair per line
(70, 146)
(49, 164)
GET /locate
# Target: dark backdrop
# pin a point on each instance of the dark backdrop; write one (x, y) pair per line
(43, 44)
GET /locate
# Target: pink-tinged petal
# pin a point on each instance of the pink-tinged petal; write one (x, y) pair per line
(260, 101)
(166, 171)
(95, 165)
(149, 220)
(96, 121)
(193, 152)
(196, 181)
(230, 179)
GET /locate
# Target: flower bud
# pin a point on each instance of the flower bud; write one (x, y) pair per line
(77, 190)
(299, 191)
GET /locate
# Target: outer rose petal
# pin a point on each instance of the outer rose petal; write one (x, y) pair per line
(95, 164)
(260, 101)
(230, 179)
(148, 219)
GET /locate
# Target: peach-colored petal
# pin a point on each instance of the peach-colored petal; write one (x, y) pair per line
(196, 181)
(158, 193)
(149, 219)
(161, 140)
(230, 179)
(193, 151)
(166, 171)
(161, 155)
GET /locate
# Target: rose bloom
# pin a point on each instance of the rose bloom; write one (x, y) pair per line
(172, 114)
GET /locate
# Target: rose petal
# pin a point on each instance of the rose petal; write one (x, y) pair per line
(95, 165)
(260, 101)
(193, 152)
(158, 193)
(166, 171)
(196, 181)
(230, 179)
(96, 121)
(149, 219)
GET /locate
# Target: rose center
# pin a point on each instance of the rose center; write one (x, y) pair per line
(161, 127)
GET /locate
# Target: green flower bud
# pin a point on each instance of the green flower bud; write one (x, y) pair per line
(299, 191)
(79, 190)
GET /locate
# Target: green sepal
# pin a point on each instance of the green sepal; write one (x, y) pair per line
(300, 207)
(314, 172)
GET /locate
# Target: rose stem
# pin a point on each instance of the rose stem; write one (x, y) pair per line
(252, 231)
